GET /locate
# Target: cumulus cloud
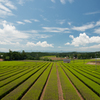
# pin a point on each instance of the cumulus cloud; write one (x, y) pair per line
(10, 35)
(84, 39)
(42, 44)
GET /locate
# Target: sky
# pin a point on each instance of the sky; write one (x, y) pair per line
(50, 25)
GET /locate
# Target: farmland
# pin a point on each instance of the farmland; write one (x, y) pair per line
(24, 80)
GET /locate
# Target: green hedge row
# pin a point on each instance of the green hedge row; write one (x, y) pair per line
(86, 92)
(51, 92)
(12, 85)
(69, 92)
(35, 91)
(22, 88)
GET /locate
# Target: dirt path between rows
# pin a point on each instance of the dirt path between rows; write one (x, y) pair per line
(75, 88)
(59, 86)
(42, 95)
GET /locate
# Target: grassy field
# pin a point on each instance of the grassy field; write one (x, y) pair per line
(34, 80)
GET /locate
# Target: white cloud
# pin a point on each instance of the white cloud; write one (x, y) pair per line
(3, 14)
(67, 43)
(35, 20)
(42, 44)
(84, 27)
(62, 1)
(92, 13)
(69, 23)
(71, 1)
(45, 19)
(4, 49)
(5, 8)
(9, 34)
(19, 22)
(36, 34)
(53, 1)
(6, 42)
(71, 36)
(84, 39)
(60, 21)
(27, 21)
(98, 23)
(88, 26)
(8, 3)
(97, 31)
(21, 2)
(55, 29)
(59, 47)
(90, 48)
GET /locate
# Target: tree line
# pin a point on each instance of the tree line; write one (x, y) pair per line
(14, 55)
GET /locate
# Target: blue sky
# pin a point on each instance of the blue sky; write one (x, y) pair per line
(50, 25)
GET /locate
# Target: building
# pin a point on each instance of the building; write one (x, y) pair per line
(66, 60)
(1, 59)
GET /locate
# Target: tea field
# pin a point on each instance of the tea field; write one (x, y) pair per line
(23, 80)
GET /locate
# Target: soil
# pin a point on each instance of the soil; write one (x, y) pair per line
(59, 86)
(93, 63)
